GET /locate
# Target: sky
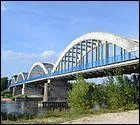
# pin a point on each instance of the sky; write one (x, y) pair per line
(40, 30)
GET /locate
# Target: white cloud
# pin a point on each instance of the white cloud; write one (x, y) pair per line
(9, 54)
(47, 53)
(15, 62)
(73, 21)
(3, 8)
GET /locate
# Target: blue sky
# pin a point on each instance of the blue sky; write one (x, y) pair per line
(39, 31)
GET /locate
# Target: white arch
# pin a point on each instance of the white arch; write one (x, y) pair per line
(21, 73)
(13, 78)
(38, 64)
(123, 42)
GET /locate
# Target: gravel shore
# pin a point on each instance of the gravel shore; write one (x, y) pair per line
(129, 117)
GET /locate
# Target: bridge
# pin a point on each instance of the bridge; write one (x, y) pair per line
(93, 55)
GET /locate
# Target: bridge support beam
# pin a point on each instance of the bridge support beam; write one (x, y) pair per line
(98, 53)
(92, 46)
(45, 97)
(81, 54)
(102, 53)
(114, 52)
(68, 60)
(23, 89)
(106, 52)
(72, 59)
(121, 54)
(14, 90)
(86, 55)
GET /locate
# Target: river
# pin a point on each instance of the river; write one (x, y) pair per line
(22, 107)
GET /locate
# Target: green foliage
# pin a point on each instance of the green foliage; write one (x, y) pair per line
(127, 91)
(4, 83)
(99, 95)
(120, 91)
(112, 95)
(6, 93)
(135, 81)
(80, 96)
(14, 116)
(117, 92)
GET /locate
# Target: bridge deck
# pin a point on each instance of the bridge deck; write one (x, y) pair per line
(96, 66)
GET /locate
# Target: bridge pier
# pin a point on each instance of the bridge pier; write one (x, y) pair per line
(13, 93)
(23, 89)
(55, 91)
(45, 97)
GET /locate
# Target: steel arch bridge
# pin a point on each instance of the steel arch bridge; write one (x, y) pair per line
(90, 54)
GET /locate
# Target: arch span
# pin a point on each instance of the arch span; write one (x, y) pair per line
(14, 79)
(22, 76)
(123, 42)
(39, 68)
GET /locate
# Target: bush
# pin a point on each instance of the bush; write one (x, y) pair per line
(135, 80)
(14, 116)
(6, 93)
(4, 83)
(80, 96)
(99, 95)
(120, 91)
(117, 92)
(112, 95)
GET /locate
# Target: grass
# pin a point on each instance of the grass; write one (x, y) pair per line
(52, 117)
(57, 116)
(17, 96)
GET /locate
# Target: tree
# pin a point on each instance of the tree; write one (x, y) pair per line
(80, 96)
(112, 94)
(126, 90)
(120, 91)
(135, 81)
(99, 95)
(4, 83)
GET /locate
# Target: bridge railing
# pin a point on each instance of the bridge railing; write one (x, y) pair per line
(102, 62)
(110, 60)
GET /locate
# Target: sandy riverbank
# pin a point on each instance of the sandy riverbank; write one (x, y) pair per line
(129, 117)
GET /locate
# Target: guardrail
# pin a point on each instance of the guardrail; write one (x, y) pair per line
(114, 59)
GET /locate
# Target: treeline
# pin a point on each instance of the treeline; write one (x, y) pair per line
(116, 92)
(5, 91)
(4, 83)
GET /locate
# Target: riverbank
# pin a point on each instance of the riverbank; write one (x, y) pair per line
(72, 117)
(6, 99)
(129, 117)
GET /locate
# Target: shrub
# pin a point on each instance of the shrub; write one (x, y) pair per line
(80, 96)
(120, 91)
(4, 83)
(99, 95)
(113, 95)
(14, 116)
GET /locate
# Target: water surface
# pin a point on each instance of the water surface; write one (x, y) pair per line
(22, 107)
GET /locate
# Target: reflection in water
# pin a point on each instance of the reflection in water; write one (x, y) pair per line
(22, 107)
